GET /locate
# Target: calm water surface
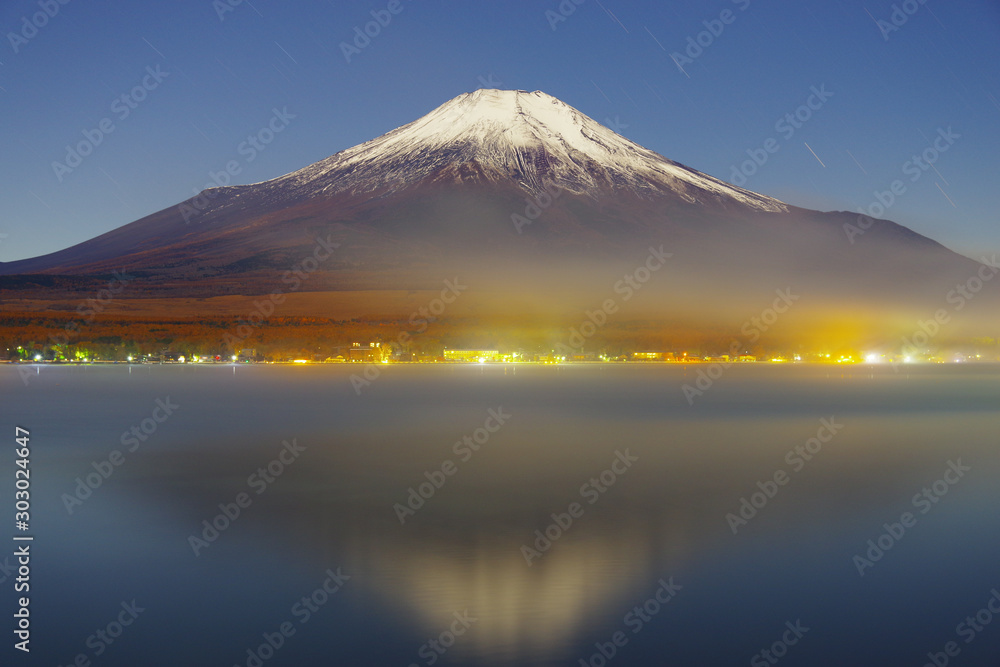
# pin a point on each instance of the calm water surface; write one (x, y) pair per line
(652, 550)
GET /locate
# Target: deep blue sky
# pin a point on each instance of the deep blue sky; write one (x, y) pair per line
(890, 97)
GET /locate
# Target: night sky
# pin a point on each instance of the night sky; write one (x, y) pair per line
(183, 85)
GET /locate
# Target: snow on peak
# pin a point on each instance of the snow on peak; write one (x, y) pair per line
(530, 137)
(516, 117)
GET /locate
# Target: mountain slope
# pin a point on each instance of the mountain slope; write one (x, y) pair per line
(520, 193)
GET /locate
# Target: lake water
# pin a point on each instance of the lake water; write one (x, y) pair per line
(653, 563)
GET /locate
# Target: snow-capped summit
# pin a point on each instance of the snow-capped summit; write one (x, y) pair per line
(530, 138)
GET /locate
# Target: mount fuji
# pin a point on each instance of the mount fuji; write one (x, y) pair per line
(520, 193)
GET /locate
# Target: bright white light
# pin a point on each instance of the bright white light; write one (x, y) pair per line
(130, 357)
(908, 359)
(871, 358)
(234, 357)
(180, 359)
(38, 357)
